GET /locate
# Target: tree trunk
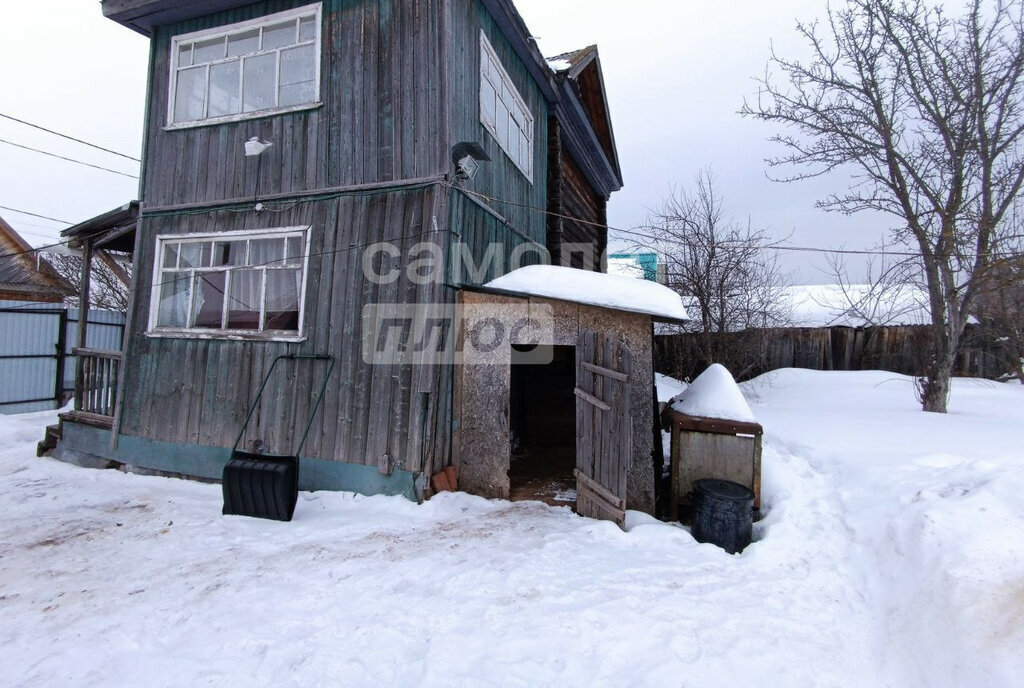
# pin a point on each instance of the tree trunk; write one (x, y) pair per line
(935, 385)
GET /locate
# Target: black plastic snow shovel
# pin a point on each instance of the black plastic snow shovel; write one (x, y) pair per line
(263, 485)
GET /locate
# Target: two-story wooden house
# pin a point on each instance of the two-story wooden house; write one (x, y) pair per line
(308, 166)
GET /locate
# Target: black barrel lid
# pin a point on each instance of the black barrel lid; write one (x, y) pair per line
(723, 489)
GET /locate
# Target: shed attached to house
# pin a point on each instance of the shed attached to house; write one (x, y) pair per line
(563, 399)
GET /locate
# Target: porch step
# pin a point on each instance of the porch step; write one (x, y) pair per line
(53, 435)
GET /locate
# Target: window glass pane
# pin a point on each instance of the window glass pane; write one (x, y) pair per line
(185, 55)
(258, 82)
(244, 43)
(244, 299)
(297, 65)
(297, 94)
(224, 95)
(208, 300)
(209, 50)
(293, 252)
(513, 142)
(194, 254)
(173, 306)
(283, 299)
(279, 35)
(307, 28)
(170, 255)
(266, 251)
(487, 97)
(189, 94)
(501, 126)
(526, 154)
(229, 253)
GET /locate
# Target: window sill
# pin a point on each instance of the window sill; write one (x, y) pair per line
(228, 335)
(214, 121)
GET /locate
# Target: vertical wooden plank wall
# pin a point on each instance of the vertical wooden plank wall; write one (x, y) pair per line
(500, 178)
(197, 391)
(380, 118)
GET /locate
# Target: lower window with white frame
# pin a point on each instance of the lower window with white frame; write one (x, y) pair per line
(230, 283)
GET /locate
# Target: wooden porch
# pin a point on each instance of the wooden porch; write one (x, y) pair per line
(96, 387)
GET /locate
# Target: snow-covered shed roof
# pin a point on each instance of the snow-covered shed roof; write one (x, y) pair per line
(592, 288)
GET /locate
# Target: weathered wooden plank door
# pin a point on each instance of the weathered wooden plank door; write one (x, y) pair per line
(603, 426)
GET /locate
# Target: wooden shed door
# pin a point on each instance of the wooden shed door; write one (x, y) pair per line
(603, 426)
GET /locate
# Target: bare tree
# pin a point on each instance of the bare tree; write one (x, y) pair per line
(724, 270)
(1000, 312)
(108, 284)
(925, 111)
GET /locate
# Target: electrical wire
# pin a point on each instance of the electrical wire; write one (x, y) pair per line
(41, 217)
(763, 247)
(61, 157)
(70, 138)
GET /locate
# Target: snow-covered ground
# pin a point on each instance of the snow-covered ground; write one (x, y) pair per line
(891, 555)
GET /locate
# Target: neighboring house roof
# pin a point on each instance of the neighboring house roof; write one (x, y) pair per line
(593, 289)
(23, 272)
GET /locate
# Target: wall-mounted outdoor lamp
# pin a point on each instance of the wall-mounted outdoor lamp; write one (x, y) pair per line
(467, 157)
(254, 146)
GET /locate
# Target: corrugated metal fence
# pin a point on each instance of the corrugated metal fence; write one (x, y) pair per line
(37, 370)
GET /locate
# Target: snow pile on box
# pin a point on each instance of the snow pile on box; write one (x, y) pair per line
(593, 288)
(714, 394)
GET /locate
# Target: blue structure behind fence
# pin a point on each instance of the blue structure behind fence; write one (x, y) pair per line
(37, 368)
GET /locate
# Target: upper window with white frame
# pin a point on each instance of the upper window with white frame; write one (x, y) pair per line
(248, 283)
(503, 111)
(249, 69)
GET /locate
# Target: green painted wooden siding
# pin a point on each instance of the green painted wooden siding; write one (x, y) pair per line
(500, 178)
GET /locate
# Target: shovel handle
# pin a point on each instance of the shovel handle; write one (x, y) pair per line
(266, 379)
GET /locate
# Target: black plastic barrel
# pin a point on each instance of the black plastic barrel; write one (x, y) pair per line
(722, 514)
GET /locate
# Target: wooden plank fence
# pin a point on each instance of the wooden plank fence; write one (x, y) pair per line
(899, 349)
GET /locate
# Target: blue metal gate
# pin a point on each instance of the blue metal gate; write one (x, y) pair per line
(37, 370)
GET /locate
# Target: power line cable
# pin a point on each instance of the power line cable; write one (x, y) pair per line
(765, 247)
(61, 157)
(41, 217)
(70, 138)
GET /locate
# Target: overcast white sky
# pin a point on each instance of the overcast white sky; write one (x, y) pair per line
(676, 73)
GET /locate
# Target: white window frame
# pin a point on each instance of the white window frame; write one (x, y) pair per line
(224, 31)
(154, 330)
(505, 91)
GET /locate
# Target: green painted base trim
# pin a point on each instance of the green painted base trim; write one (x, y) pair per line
(202, 461)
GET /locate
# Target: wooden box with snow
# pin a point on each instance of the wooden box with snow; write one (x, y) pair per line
(714, 435)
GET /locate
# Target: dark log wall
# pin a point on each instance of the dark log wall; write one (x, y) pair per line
(381, 117)
(900, 349)
(579, 214)
(197, 391)
(524, 201)
(581, 202)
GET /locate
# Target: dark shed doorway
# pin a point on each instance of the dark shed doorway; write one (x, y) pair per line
(542, 423)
